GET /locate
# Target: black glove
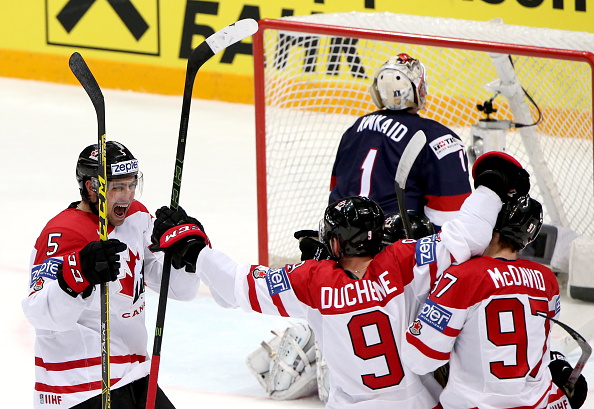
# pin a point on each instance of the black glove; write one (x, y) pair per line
(502, 174)
(310, 246)
(97, 263)
(179, 235)
(560, 371)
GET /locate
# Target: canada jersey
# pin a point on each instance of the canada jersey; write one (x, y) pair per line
(359, 324)
(67, 344)
(481, 316)
(369, 153)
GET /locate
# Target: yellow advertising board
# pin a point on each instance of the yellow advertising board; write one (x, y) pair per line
(143, 44)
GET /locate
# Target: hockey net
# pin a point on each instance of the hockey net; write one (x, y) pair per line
(312, 75)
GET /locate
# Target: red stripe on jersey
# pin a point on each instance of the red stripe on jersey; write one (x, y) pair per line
(332, 182)
(433, 271)
(84, 363)
(451, 332)
(83, 387)
(425, 350)
(254, 303)
(446, 203)
(279, 305)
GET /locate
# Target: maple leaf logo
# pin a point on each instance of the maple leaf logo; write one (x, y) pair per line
(415, 328)
(131, 285)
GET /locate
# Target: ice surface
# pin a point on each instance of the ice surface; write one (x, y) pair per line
(44, 126)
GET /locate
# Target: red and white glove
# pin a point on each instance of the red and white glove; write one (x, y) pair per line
(97, 263)
(501, 173)
(180, 235)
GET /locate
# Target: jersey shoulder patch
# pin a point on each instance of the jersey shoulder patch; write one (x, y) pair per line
(425, 250)
(445, 145)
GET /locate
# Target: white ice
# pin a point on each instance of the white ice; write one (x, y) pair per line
(44, 126)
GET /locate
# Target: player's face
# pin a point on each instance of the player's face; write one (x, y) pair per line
(120, 194)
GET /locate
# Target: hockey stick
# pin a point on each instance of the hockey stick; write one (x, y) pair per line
(412, 150)
(83, 74)
(567, 344)
(201, 54)
(583, 344)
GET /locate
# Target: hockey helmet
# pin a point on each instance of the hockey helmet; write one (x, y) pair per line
(400, 84)
(120, 163)
(357, 222)
(520, 220)
(394, 228)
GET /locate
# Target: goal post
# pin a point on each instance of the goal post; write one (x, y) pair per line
(312, 73)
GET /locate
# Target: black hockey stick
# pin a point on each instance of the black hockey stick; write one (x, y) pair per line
(409, 155)
(201, 54)
(584, 346)
(83, 74)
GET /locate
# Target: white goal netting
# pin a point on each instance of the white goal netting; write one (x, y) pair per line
(312, 75)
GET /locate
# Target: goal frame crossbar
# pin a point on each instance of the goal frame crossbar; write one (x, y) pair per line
(366, 34)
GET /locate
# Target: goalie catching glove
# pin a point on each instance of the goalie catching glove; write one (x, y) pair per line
(502, 174)
(97, 263)
(180, 235)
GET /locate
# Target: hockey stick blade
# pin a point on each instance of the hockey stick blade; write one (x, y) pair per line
(200, 55)
(409, 155)
(83, 74)
(582, 343)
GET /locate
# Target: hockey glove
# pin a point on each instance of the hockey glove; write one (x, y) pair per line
(310, 246)
(180, 235)
(97, 263)
(560, 371)
(502, 174)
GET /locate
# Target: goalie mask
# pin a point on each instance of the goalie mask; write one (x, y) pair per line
(394, 228)
(400, 84)
(520, 220)
(357, 222)
(120, 163)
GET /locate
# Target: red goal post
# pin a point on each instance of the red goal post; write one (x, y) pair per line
(311, 77)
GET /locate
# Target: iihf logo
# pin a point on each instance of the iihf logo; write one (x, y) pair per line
(415, 328)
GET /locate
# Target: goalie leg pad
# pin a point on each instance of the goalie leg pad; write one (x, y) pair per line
(285, 365)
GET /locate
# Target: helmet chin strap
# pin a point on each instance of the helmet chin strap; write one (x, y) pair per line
(92, 205)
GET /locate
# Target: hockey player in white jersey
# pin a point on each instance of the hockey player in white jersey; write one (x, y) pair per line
(360, 302)
(67, 264)
(481, 317)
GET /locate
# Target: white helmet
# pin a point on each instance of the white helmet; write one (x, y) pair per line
(400, 84)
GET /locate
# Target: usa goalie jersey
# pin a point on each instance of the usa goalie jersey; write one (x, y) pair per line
(481, 317)
(369, 153)
(359, 324)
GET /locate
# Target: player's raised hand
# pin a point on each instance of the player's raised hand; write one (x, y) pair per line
(310, 246)
(180, 235)
(501, 173)
(97, 263)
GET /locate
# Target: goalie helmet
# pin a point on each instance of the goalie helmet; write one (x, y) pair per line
(400, 84)
(357, 222)
(394, 228)
(520, 220)
(120, 163)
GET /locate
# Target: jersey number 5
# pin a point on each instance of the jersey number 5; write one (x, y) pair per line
(382, 345)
